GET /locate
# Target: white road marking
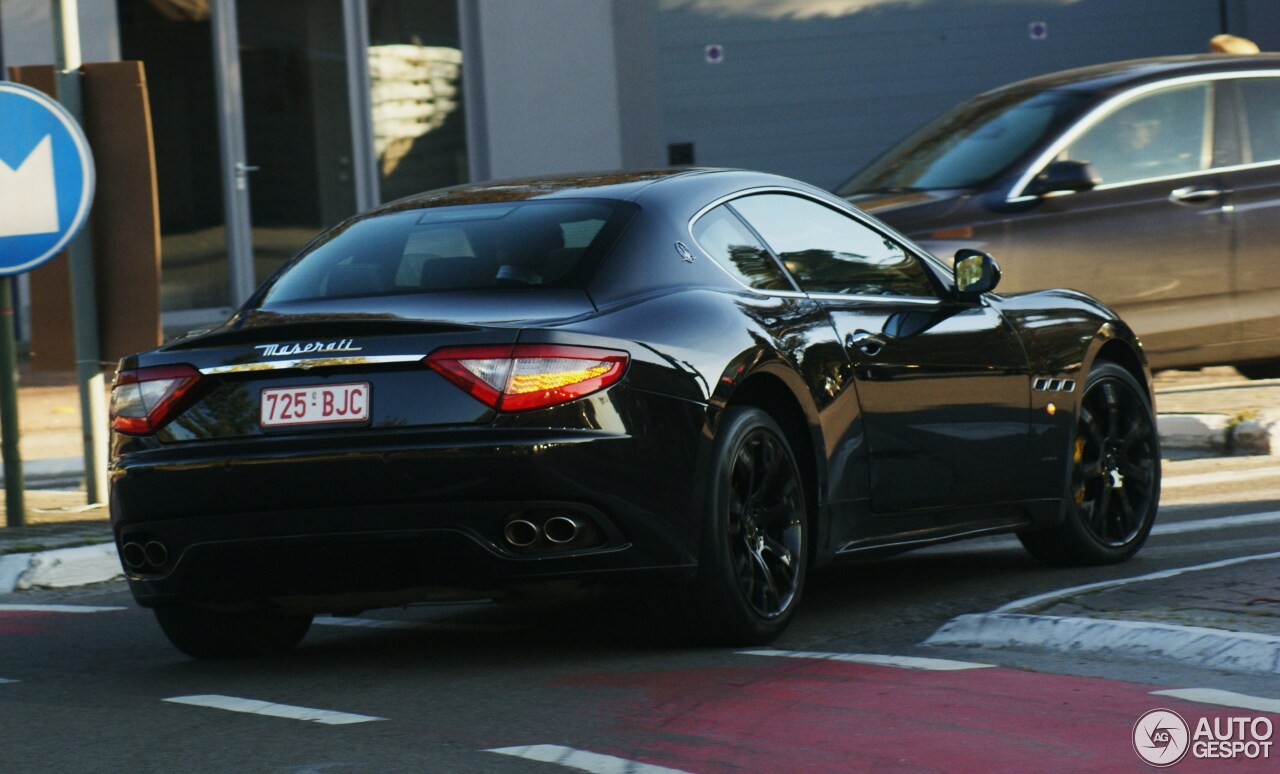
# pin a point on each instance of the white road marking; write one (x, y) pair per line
(1223, 698)
(56, 609)
(256, 707)
(5, 680)
(1220, 477)
(1043, 600)
(1200, 646)
(582, 760)
(1200, 525)
(906, 662)
(384, 623)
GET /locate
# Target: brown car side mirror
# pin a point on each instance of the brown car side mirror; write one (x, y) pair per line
(1062, 176)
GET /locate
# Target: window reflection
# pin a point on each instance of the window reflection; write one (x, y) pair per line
(828, 252)
(415, 74)
(734, 247)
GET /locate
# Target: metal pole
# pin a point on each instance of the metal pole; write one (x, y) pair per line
(14, 486)
(84, 299)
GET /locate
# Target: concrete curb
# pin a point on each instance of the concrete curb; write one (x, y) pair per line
(60, 568)
(51, 469)
(1196, 645)
(1220, 433)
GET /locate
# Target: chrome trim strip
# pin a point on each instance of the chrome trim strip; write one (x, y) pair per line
(311, 362)
(1016, 193)
(876, 299)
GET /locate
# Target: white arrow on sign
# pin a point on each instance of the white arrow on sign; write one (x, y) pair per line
(28, 194)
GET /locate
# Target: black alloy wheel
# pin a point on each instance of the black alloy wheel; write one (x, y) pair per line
(753, 559)
(1114, 481)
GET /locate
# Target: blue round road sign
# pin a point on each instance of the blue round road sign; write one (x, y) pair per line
(46, 178)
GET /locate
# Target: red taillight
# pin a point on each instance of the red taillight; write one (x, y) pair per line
(523, 377)
(144, 399)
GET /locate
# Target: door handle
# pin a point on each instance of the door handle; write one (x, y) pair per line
(242, 175)
(868, 343)
(1193, 195)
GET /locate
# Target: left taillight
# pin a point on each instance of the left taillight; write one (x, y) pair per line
(143, 400)
(524, 377)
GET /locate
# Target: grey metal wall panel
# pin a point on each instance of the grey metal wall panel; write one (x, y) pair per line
(550, 92)
(818, 96)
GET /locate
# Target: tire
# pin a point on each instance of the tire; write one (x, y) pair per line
(1268, 369)
(205, 633)
(754, 556)
(1113, 476)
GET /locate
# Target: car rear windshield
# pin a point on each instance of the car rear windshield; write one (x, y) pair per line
(527, 244)
(969, 145)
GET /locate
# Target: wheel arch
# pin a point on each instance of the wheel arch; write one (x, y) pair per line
(1120, 351)
(770, 393)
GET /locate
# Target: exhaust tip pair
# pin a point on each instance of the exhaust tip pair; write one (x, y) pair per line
(149, 556)
(557, 530)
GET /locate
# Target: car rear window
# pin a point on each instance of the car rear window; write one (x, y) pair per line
(552, 244)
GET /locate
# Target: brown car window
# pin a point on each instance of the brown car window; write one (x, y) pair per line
(829, 252)
(1156, 135)
(1261, 100)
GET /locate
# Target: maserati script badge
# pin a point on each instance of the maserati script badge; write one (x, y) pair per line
(307, 348)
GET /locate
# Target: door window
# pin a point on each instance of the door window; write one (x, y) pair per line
(1261, 100)
(732, 245)
(1157, 135)
(829, 252)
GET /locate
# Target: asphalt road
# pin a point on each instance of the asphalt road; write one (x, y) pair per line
(438, 688)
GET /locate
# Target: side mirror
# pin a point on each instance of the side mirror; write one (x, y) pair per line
(1063, 176)
(975, 273)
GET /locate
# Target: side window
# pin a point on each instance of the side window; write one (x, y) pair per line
(1158, 134)
(732, 245)
(829, 252)
(1261, 100)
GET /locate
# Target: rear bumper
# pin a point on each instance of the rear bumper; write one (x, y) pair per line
(345, 521)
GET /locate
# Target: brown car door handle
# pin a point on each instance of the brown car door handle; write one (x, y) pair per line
(869, 343)
(1193, 195)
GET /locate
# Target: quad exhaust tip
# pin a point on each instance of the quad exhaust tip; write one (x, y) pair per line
(134, 555)
(561, 529)
(521, 533)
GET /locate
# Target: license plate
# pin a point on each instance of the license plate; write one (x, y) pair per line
(315, 405)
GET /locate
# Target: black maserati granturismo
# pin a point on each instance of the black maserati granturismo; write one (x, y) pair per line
(701, 382)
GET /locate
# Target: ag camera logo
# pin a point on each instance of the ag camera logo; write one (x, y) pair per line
(1160, 737)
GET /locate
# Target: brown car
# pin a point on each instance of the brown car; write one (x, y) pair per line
(1153, 185)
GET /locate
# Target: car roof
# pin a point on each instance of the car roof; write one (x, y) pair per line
(1117, 76)
(634, 186)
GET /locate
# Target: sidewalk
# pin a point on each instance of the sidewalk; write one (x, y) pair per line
(1221, 615)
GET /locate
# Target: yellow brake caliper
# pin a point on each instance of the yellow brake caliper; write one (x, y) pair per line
(1077, 457)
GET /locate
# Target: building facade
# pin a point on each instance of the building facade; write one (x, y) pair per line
(274, 120)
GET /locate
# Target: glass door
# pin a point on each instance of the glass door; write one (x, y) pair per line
(174, 41)
(297, 124)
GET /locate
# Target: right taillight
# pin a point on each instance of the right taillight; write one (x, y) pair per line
(143, 400)
(524, 377)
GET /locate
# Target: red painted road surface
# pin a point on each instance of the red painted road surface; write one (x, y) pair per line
(23, 622)
(784, 715)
